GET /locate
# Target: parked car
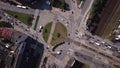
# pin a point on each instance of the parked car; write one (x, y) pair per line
(40, 28)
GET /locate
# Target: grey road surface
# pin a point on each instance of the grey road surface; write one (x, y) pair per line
(16, 9)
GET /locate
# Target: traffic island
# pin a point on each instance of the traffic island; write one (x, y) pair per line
(116, 66)
(59, 34)
(56, 35)
(36, 23)
(25, 18)
(46, 31)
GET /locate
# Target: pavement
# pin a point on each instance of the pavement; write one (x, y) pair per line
(35, 17)
(60, 13)
(51, 32)
(75, 22)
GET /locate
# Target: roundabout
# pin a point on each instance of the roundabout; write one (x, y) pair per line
(54, 33)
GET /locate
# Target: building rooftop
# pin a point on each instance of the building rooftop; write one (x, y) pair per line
(6, 33)
(3, 56)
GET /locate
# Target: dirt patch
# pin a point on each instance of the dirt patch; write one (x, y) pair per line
(62, 31)
(106, 17)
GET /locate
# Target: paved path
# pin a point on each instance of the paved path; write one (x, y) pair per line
(58, 12)
(35, 17)
(51, 32)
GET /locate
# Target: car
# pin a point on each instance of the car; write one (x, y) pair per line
(62, 19)
(76, 33)
(97, 43)
(102, 42)
(12, 23)
(82, 34)
(40, 28)
(19, 6)
(68, 34)
(118, 50)
(68, 43)
(16, 23)
(72, 12)
(76, 30)
(24, 7)
(73, 1)
(109, 47)
(66, 24)
(27, 29)
(48, 47)
(48, 2)
(7, 46)
(45, 60)
(54, 65)
(59, 52)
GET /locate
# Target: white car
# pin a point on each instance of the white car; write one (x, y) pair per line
(97, 43)
(58, 52)
(19, 6)
(109, 47)
(40, 28)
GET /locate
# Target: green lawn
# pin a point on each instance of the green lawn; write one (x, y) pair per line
(25, 18)
(35, 26)
(3, 24)
(116, 66)
(86, 66)
(60, 33)
(118, 56)
(46, 31)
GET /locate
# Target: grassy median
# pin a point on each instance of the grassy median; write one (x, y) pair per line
(46, 31)
(25, 18)
(36, 22)
(116, 66)
(60, 33)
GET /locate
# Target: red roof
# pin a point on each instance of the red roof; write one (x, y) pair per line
(6, 33)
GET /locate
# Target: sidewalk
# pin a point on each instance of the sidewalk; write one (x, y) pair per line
(35, 17)
(60, 13)
(51, 32)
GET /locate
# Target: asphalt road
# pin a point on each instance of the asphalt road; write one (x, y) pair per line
(80, 22)
(72, 26)
(16, 9)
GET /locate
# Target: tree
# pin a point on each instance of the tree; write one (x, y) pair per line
(30, 21)
(58, 35)
(45, 30)
(16, 16)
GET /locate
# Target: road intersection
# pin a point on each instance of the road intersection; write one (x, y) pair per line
(75, 25)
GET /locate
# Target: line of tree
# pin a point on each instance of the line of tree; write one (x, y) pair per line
(59, 4)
